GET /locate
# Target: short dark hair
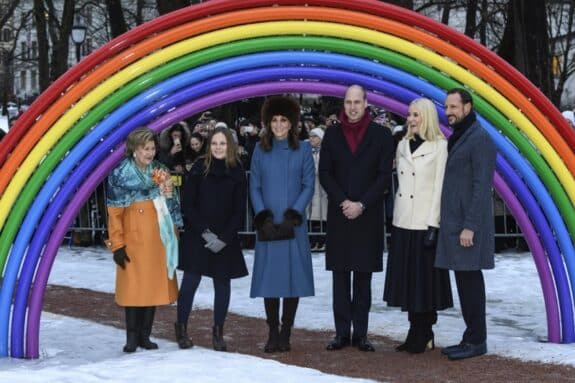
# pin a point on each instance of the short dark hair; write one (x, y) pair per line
(363, 90)
(465, 95)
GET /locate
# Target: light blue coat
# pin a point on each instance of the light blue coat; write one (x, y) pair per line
(280, 179)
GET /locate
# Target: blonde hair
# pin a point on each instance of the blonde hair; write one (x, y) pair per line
(138, 137)
(429, 129)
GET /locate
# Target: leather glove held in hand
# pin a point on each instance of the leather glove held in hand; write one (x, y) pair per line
(430, 239)
(263, 217)
(208, 236)
(215, 246)
(120, 257)
(292, 217)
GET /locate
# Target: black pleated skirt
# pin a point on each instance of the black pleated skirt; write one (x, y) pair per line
(411, 280)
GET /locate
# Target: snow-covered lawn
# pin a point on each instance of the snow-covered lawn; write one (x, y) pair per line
(515, 310)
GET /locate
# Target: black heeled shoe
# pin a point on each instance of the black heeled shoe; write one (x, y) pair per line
(407, 343)
(422, 344)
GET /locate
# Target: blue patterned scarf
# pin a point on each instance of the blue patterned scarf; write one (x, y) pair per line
(128, 184)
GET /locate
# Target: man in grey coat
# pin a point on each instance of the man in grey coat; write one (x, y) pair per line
(466, 237)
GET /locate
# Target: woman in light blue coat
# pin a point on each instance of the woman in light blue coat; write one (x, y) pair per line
(281, 186)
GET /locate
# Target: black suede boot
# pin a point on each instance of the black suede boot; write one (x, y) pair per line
(272, 306)
(288, 317)
(147, 321)
(182, 336)
(407, 344)
(423, 333)
(132, 329)
(218, 338)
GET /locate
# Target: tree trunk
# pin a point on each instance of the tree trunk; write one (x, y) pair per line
(43, 45)
(167, 6)
(471, 18)
(525, 43)
(402, 3)
(445, 13)
(60, 39)
(483, 23)
(118, 24)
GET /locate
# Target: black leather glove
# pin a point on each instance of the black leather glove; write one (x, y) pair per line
(430, 239)
(293, 217)
(264, 216)
(120, 257)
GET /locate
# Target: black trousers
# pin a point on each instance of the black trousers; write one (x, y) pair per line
(471, 290)
(351, 308)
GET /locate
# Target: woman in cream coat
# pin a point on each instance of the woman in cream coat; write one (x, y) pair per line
(412, 282)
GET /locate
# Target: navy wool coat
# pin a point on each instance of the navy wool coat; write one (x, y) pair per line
(282, 178)
(466, 203)
(356, 245)
(215, 201)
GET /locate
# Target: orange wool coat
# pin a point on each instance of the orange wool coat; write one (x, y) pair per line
(145, 280)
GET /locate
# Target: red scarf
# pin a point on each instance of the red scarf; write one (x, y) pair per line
(354, 131)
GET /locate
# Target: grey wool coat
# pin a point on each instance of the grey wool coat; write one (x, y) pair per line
(466, 203)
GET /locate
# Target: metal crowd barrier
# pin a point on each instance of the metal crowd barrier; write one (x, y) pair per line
(90, 226)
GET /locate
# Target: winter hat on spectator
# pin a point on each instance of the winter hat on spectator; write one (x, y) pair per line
(280, 106)
(317, 132)
(222, 124)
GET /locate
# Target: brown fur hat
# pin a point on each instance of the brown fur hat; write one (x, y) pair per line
(280, 106)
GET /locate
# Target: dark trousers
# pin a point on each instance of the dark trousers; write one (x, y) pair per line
(471, 290)
(351, 307)
(190, 284)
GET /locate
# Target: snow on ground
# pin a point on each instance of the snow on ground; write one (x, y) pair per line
(515, 318)
(98, 358)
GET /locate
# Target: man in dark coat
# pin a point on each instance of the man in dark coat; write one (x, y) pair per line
(466, 238)
(355, 170)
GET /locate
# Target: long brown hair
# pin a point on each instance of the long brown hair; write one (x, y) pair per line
(266, 140)
(232, 154)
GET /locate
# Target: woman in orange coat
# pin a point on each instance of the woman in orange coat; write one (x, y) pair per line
(143, 213)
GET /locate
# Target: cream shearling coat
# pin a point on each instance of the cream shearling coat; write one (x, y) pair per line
(420, 175)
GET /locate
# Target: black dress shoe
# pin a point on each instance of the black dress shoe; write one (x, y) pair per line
(363, 344)
(338, 343)
(468, 350)
(449, 349)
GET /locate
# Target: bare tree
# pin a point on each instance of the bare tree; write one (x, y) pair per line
(167, 6)
(402, 3)
(525, 43)
(561, 36)
(117, 21)
(471, 18)
(43, 44)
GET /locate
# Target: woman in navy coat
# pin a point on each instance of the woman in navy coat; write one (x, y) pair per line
(213, 202)
(281, 186)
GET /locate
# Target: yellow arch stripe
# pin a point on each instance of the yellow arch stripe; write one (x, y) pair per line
(223, 36)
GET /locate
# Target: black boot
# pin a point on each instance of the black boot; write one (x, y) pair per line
(147, 321)
(182, 336)
(272, 306)
(423, 334)
(407, 344)
(288, 317)
(273, 338)
(283, 339)
(132, 329)
(218, 338)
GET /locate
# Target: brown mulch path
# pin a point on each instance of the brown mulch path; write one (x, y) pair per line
(247, 335)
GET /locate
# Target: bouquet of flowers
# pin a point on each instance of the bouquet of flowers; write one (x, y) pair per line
(163, 179)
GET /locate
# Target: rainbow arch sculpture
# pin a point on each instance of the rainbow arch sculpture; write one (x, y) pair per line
(223, 50)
